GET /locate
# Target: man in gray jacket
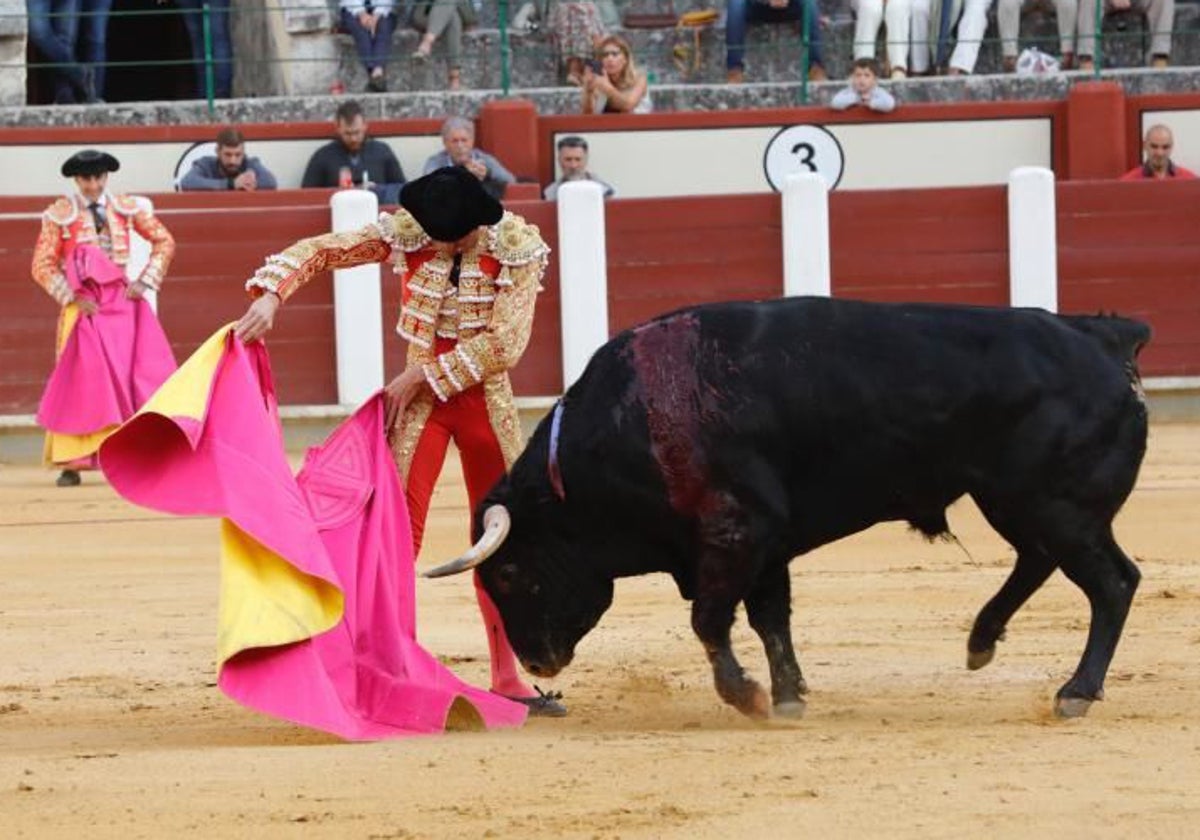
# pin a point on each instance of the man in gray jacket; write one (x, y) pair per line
(458, 142)
(229, 169)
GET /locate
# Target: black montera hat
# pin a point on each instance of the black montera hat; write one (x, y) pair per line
(89, 162)
(449, 203)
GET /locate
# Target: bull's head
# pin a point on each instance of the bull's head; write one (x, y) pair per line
(548, 594)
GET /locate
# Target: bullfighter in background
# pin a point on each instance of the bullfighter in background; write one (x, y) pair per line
(470, 275)
(111, 351)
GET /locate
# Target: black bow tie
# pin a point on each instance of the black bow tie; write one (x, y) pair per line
(97, 214)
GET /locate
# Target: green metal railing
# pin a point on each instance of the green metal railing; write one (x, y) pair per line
(210, 70)
(520, 61)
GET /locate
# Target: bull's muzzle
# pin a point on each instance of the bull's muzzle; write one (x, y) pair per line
(496, 523)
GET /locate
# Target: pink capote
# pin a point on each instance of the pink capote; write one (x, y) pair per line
(112, 361)
(342, 521)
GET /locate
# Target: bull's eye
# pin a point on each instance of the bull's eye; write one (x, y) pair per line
(506, 578)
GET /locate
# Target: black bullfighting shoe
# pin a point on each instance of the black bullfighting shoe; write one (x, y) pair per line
(543, 704)
(68, 478)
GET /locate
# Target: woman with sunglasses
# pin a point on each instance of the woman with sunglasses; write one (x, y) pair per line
(619, 87)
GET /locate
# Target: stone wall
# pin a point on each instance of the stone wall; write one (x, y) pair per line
(12, 53)
(283, 48)
(561, 100)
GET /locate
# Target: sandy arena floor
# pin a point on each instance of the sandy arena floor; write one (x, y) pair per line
(111, 724)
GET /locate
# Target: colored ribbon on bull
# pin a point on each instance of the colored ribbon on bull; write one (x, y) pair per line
(552, 466)
(317, 621)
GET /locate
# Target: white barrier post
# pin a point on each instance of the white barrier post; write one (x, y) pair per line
(357, 305)
(583, 274)
(139, 252)
(806, 235)
(1032, 238)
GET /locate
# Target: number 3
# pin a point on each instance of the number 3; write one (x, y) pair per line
(806, 159)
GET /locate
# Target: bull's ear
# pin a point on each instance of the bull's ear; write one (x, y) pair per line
(506, 578)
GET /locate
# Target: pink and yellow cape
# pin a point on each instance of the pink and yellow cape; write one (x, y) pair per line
(109, 363)
(317, 620)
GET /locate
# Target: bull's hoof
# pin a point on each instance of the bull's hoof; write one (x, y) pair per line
(803, 687)
(791, 709)
(753, 702)
(977, 659)
(1071, 707)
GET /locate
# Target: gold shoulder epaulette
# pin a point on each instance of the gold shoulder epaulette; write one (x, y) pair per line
(517, 242)
(62, 212)
(408, 234)
(126, 205)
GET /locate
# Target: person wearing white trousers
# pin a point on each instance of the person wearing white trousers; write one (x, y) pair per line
(1008, 21)
(1008, 18)
(972, 22)
(897, 14)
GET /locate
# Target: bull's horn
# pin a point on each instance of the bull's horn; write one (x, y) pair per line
(496, 523)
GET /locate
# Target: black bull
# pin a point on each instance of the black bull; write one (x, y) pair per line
(718, 442)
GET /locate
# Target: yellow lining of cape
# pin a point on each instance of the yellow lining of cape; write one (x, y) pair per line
(265, 601)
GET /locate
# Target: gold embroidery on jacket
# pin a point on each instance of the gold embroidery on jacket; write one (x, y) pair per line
(65, 221)
(287, 271)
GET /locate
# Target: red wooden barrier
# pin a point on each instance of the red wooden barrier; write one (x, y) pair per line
(1125, 247)
(1131, 247)
(672, 252)
(938, 246)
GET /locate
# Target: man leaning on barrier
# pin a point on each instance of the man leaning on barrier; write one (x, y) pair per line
(229, 168)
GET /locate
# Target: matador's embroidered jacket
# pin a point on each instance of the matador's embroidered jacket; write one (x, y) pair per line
(68, 223)
(489, 314)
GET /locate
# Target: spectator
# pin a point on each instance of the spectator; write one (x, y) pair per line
(229, 168)
(93, 36)
(458, 138)
(1008, 22)
(573, 164)
(221, 43)
(968, 32)
(529, 15)
(365, 160)
(449, 17)
(1160, 20)
(619, 87)
(53, 27)
(577, 30)
(864, 89)
(869, 15)
(741, 12)
(1158, 164)
(371, 25)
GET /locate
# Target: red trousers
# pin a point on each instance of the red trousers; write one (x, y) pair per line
(464, 419)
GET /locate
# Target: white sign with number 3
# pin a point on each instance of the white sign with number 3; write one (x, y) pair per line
(803, 148)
